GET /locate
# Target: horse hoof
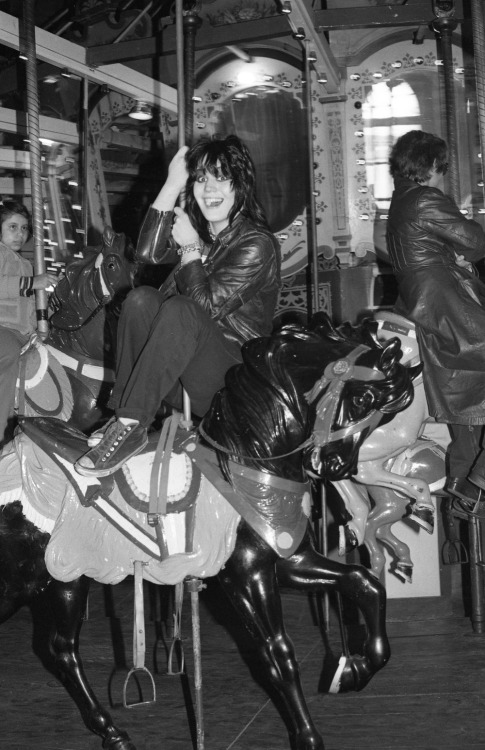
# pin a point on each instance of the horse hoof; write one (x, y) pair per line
(404, 571)
(336, 682)
(309, 740)
(120, 741)
(347, 540)
(424, 517)
(353, 673)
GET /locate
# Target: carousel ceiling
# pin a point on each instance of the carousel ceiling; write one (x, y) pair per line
(137, 32)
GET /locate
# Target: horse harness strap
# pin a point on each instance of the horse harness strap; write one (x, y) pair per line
(159, 480)
(334, 376)
(333, 379)
(95, 372)
(271, 505)
(138, 639)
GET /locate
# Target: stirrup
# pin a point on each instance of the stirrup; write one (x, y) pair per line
(141, 702)
(138, 642)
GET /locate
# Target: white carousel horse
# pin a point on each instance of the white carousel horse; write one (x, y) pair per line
(400, 463)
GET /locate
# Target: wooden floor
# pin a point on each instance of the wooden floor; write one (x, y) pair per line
(430, 696)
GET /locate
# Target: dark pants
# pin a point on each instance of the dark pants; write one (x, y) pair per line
(11, 343)
(466, 450)
(163, 345)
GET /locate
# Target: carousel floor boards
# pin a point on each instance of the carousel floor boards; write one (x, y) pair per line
(431, 694)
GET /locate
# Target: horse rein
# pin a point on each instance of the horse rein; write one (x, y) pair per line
(334, 376)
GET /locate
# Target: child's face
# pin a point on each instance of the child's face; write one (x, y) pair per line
(15, 232)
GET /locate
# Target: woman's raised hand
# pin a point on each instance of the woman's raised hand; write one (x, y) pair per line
(175, 182)
(183, 232)
(177, 169)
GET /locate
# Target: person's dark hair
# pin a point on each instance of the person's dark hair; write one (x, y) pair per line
(416, 153)
(9, 208)
(230, 158)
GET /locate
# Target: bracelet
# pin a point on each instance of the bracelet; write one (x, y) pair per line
(194, 246)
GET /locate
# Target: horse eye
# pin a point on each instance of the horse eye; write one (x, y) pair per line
(111, 265)
(362, 401)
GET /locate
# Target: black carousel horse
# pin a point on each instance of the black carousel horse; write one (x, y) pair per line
(302, 402)
(70, 375)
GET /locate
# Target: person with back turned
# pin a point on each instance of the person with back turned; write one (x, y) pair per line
(431, 247)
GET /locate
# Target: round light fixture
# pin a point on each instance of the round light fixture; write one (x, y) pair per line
(141, 111)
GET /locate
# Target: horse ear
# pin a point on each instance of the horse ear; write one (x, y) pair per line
(391, 354)
(369, 331)
(415, 371)
(322, 324)
(108, 237)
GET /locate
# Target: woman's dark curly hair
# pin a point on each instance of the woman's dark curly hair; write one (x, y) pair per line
(229, 158)
(9, 208)
(416, 153)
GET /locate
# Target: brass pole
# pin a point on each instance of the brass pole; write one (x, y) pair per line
(311, 223)
(33, 128)
(478, 29)
(444, 27)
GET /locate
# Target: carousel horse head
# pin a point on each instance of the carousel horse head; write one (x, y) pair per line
(95, 283)
(70, 375)
(319, 391)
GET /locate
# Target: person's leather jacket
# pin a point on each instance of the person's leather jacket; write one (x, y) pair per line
(237, 283)
(425, 227)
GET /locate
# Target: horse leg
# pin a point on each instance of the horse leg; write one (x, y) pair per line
(404, 564)
(422, 510)
(375, 474)
(249, 580)
(68, 604)
(308, 570)
(389, 507)
(357, 504)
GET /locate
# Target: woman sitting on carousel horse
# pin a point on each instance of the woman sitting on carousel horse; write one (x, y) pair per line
(431, 246)
(222, 293)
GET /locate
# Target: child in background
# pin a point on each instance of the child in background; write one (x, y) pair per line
(17, 306)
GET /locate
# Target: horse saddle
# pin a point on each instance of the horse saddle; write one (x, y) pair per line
(124, 497)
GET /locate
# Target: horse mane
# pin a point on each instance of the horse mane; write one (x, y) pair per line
(262, 412)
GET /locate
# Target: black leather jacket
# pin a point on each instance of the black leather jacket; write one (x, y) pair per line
(237, 284)
(446, 302)
(425, 227)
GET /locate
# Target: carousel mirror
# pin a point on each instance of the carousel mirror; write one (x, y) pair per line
(261, 102)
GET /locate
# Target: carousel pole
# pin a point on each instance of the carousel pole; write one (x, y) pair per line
(311, 223)
(314, 295)
(474, 523)
(35, 162)
(478, 30)
(185, 127)
(179, 29)
(444, 25)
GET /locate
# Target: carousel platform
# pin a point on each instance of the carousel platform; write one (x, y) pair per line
(431, 694)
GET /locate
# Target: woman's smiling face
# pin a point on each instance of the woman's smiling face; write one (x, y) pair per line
(215, 197)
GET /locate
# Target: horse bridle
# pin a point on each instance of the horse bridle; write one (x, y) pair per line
(334, 376)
